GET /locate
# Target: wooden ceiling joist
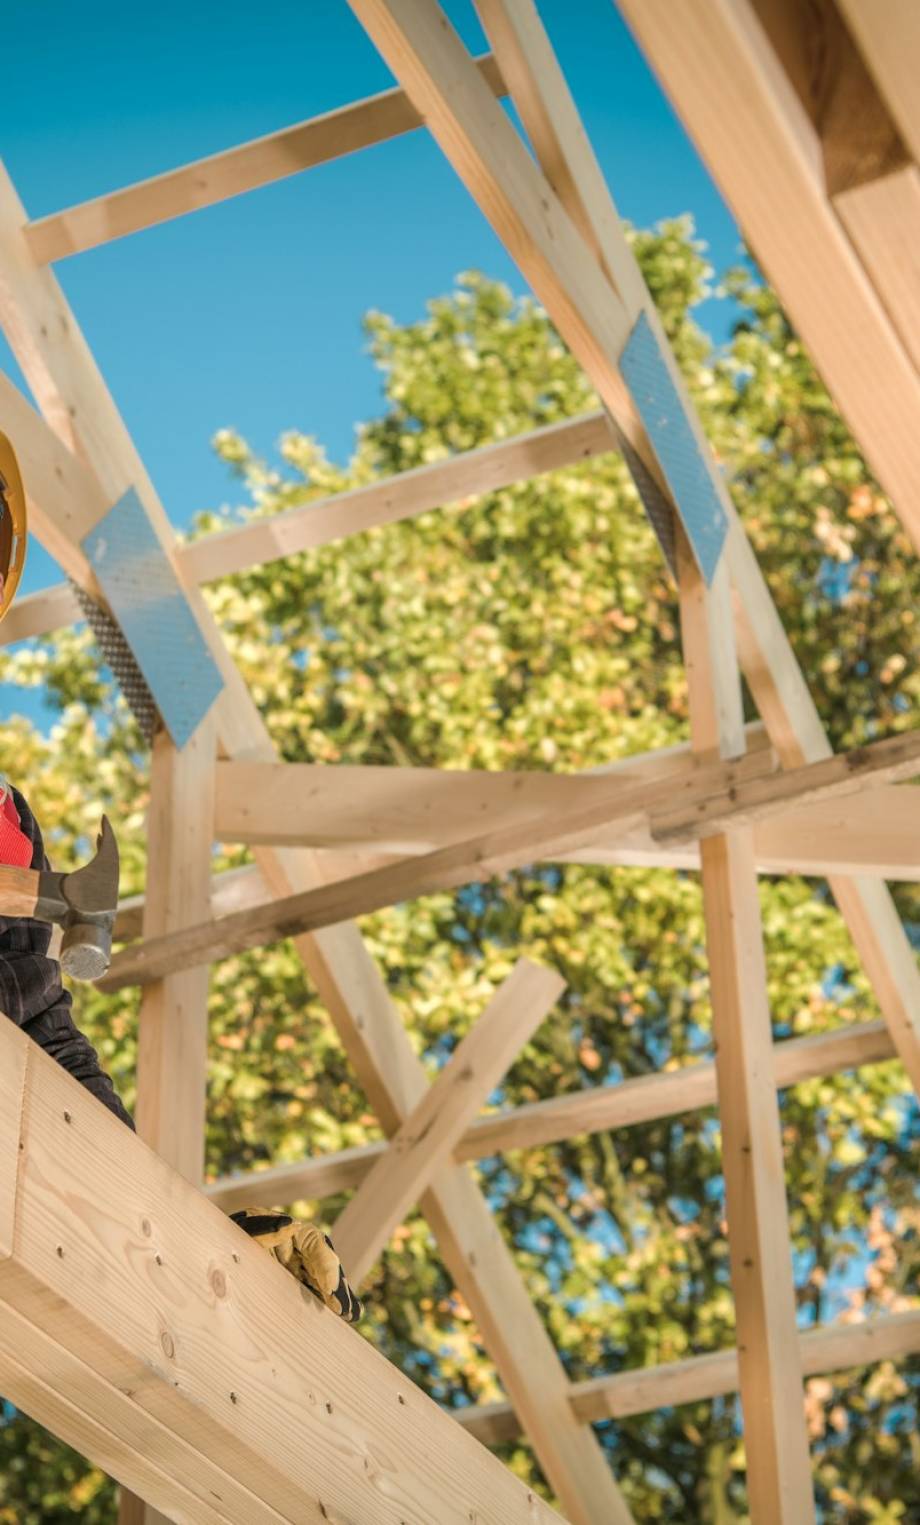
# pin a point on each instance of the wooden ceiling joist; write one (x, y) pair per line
(828, 1349)
(194, 1366)
(597, 1109)
(229, 173)
(717, 797)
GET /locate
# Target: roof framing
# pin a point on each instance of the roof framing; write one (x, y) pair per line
(834, 219)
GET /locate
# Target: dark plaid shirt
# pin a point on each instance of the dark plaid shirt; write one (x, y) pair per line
(31, 993)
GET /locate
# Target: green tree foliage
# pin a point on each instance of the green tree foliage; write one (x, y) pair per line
(536, 628)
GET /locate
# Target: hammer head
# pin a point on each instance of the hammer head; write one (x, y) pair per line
(84, 904)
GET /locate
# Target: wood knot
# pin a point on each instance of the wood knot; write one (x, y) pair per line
(168, 1344)
(219, 1283)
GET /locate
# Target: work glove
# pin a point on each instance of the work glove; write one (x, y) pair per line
(305, 1251)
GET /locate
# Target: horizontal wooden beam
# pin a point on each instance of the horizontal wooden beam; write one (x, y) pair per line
(598, 1109)
(145, 1327)
(601, 802)
(392, 499)
(393, 811)
(40, 613)
(207, 181)
(896, 757)
(833, 1347)
(683, 810)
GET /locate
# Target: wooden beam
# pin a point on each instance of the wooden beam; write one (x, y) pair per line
(152, 1331)
(830, 1348)
(72, 394)
(598, 1109)
(40, 614)
(424, 1142)
(888, 34)
(387, 809)
(717, 65)
(400, 811)
(608, 806)
(882, 219)
(779, 1483)
(393, 499)
(896, 757)
(219, 176)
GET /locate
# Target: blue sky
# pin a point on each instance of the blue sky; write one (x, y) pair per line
(248, 314)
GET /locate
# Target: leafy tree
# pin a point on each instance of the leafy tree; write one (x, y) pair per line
(536, 628)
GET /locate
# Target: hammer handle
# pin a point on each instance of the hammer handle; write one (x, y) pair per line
(18, 891)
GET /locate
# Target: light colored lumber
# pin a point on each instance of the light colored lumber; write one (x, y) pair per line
(424, 1142)
(182, 1326)
(882, 219)
(888, 35)
(173, 1025)
(219, 176)
(72, 394)
(717, 65)
(896, 757)
(40, 614)
(829, 1348)
(597, 1109)
(608, 802)
(172, 1048)
(393, 499)
(393, 810)
(611, 805)
(779, 1483)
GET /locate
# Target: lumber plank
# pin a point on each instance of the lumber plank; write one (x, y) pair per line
(394, 499)
(424, 1142)
(597, 1109)
(547, 836)
(778, 1465)
(888, 34)
(121, 1263)
(40, 614)
(829, 1348)
(716, 66)
(204, 182)
(896, 757)
(882, 219)
(173, 1024)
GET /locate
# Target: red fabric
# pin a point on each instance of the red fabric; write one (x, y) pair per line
(15, 847)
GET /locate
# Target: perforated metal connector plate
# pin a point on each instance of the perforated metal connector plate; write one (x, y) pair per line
(686, 470)
(151, 607)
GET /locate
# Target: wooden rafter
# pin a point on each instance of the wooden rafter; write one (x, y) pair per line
(229, 173)
(714, 798)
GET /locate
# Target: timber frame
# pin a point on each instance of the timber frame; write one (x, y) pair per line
(833, 214)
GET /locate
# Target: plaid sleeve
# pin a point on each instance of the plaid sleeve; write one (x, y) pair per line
(32, 994)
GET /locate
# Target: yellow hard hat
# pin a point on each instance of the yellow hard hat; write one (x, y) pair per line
(12, 525)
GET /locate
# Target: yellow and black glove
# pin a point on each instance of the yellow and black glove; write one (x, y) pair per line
(305, 1251)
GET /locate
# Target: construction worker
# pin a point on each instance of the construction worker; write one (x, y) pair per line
(32, 993)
